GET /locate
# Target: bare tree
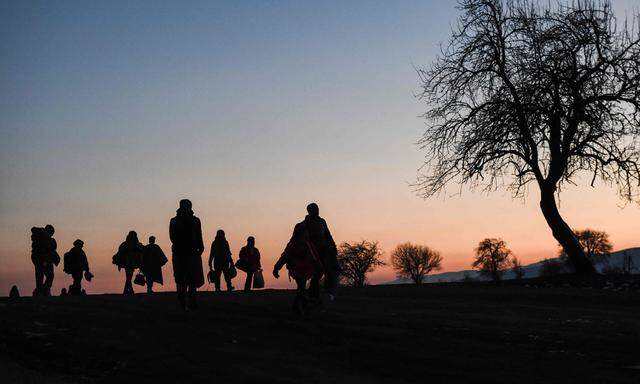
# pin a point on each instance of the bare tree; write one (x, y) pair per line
(415, 261)
(526, 94)
(492, 258)
(517, 269)
(358, 259)
(595, 244)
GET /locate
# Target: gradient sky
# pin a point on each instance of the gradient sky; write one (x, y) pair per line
(110, 112)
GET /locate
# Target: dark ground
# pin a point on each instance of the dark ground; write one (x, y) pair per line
(394, 334)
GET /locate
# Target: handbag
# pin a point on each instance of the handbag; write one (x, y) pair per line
(258, 279)
(232, 271)
(241, 264)
(139, 279)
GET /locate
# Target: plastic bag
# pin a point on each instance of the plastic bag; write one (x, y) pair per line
(258, 279)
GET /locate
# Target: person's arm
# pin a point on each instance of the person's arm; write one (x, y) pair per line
(199, 242)
(172, 231)
(329, 239)
(258, 258)
(211, 256)
(161, 256)
(85, 261)
(279, 264)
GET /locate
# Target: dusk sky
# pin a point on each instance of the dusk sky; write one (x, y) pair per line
(111, 112)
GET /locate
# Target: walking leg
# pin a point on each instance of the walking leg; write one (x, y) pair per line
(192, 297)
(39, 279)
(247, 283)
(48, 279)
(181, 290)
(216, 279)
(227, 280)
(128, 286)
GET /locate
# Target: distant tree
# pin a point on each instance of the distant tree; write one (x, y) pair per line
(533, 93)
(492, 258)
(595, 244)
(517, 269)
(551, 267)
(415, 261)
(358, 259)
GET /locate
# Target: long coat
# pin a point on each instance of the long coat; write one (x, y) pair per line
(300, 256)
(187, 246)
(129, 255)
(321, 238)
(152, 261)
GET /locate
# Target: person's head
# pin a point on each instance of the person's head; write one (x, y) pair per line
(251, 241)
(49, 229)
(132, 237)
(220, 234)
(299, 231)
(78, 243)
(186, 206)
(152, 239)
(313, 209)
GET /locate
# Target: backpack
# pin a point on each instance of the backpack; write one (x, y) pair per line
(39, 240)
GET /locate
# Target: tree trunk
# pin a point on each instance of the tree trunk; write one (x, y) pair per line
(563, 233)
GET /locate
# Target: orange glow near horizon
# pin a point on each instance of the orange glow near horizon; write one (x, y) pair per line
(453, 226)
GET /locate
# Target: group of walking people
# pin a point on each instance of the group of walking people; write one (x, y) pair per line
(44, 255)
(309, 256)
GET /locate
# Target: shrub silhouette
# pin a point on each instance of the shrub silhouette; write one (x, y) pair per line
(492, 258)
(415, 261)
(358, 259)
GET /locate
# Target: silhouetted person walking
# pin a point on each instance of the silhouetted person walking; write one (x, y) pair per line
(303, 263)
(76, 264)
(44, 256)
(153, 259)
(250, 256)
(321, 238)
(129, 257)
(185, 232)
(220, 257)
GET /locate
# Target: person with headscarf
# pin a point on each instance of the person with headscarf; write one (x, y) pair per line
(129, 258)
(187, 246)
(220, 260)
(44, 256)
(76, 264)
(303, 263)
(152, 261)
(250, 256)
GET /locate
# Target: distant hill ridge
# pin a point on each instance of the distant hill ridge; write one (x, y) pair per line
(532, 270)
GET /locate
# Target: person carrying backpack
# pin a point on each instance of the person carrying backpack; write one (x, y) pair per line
(303, 262)
(44, 256)
(76, 264)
